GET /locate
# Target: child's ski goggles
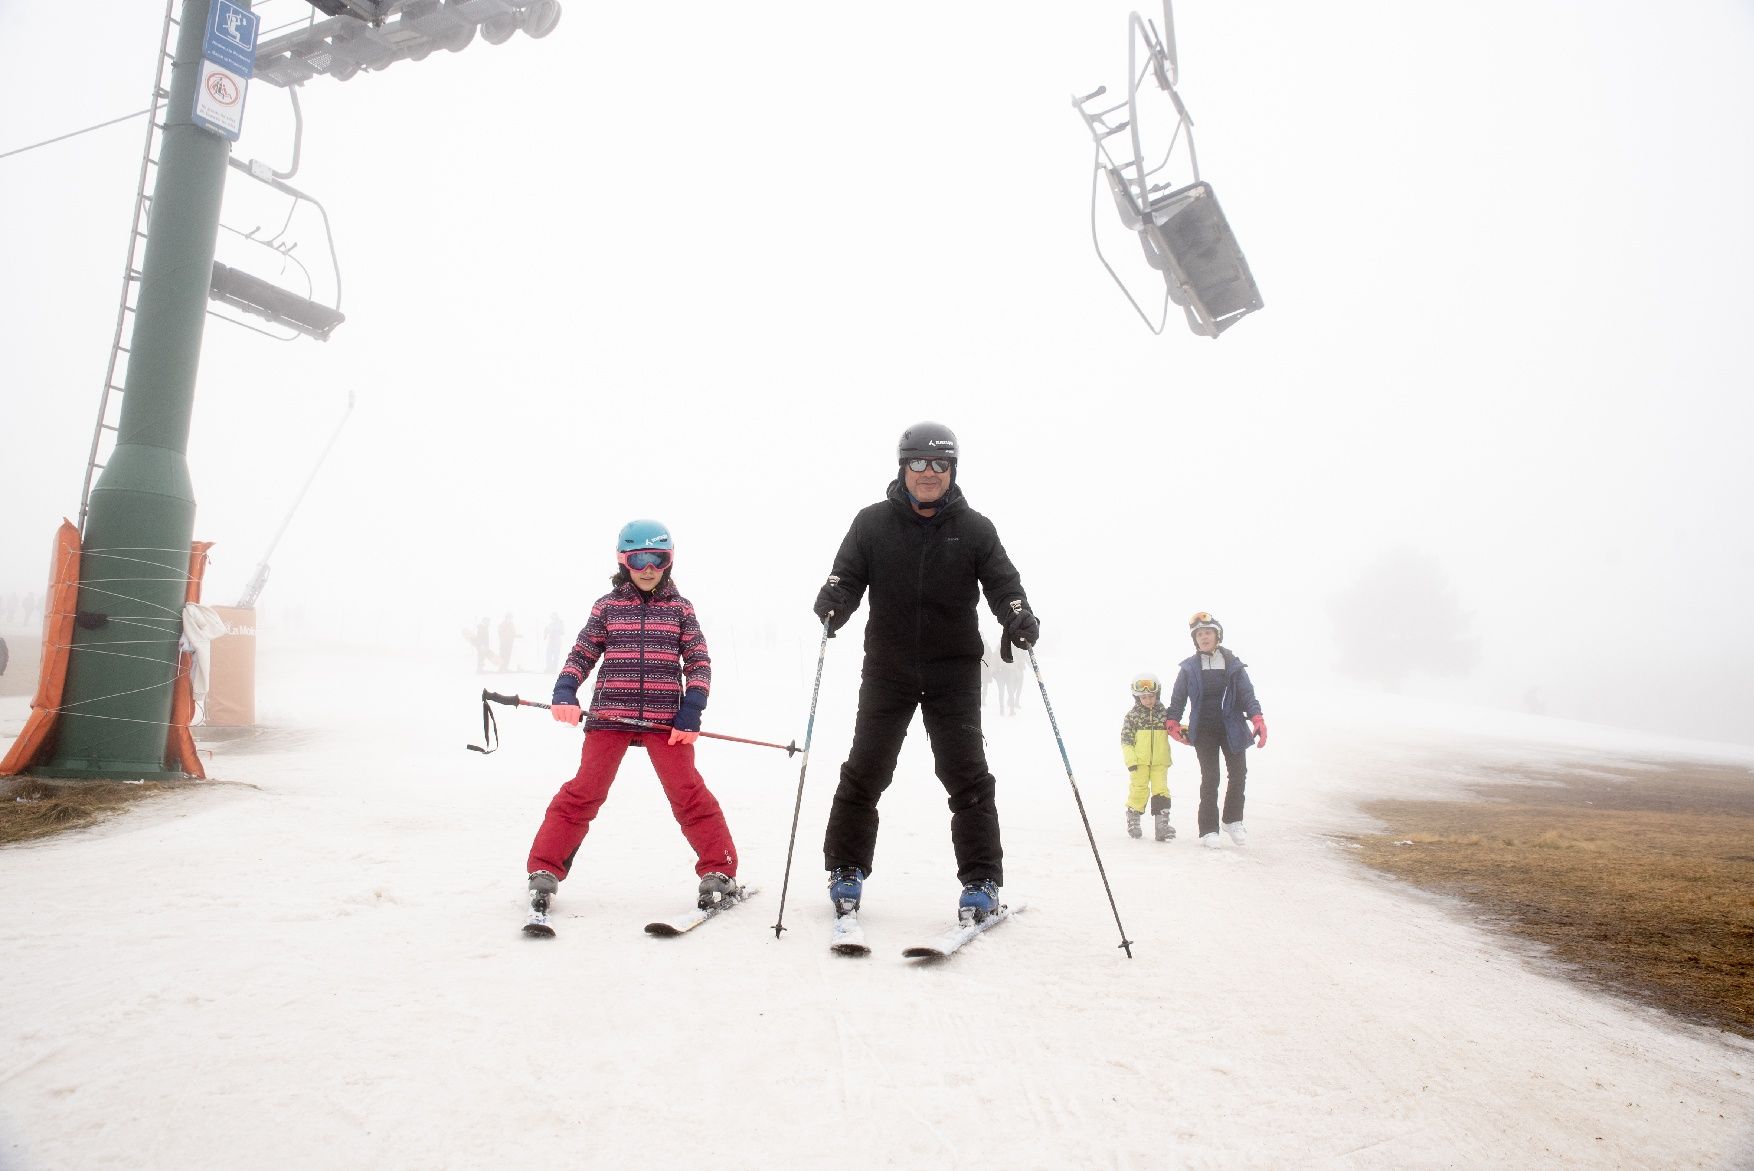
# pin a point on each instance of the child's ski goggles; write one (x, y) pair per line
(937, 465)
(646, 559)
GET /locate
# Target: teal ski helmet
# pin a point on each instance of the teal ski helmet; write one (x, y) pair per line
(643, 534)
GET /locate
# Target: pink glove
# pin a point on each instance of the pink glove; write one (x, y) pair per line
(1260, 723)
(567, 713)
(678, 736)
(1174, 728)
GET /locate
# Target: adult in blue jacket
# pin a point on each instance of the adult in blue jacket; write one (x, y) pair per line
(1214, 685)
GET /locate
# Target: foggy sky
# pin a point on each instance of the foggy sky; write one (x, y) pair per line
(704, 263)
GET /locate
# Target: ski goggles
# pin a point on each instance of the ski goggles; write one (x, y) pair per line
(937, 465)
(1141, 686)
(1202, 619)
(646, 559)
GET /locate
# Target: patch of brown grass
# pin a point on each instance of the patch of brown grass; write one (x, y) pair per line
(1642, 881)
(31, 809)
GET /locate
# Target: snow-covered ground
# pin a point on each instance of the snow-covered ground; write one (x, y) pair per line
(318, 964)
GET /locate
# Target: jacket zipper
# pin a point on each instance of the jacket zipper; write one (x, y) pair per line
(920, 601)
(643, 603)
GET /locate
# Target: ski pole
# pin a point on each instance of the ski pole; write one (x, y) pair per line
(1125, 944)
(492, 697)
(798, 804)
(789, 749)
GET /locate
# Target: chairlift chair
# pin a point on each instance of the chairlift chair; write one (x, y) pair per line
(1181, 228)
(237, 289)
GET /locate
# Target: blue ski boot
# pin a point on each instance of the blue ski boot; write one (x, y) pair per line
(845, 885)
(979, 899)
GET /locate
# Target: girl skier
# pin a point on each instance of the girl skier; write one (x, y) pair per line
(655, 668)
(1145, 748)
(1216, 683)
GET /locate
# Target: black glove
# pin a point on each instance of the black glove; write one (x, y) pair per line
(1021, 631)
(834, 605)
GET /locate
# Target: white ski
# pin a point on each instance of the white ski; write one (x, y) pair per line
(685, 923)
(955, 937)
(849, 938)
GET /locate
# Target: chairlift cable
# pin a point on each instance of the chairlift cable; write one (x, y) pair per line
(72, 134)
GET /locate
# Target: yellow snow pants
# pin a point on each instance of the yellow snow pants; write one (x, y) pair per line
(1148, 759)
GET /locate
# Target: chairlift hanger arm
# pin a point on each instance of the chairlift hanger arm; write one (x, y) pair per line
(1139, 30)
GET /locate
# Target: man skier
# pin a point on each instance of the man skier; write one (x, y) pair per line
(924, 556)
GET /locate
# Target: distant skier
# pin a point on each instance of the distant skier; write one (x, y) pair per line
(923, 554)
(1216, 683)
(554, 639)
(1145, 749)
(1010, 679)
(655, 667)
(988, 678)
(479, 639)
(508, 636)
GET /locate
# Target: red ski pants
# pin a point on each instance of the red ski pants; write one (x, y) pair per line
(573, 808)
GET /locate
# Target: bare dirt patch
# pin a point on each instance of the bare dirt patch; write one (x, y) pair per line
(1639, 877)
(32, 809)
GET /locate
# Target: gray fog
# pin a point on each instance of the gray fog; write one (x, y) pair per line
(1485, 443)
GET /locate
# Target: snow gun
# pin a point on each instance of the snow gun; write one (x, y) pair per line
(490, 726)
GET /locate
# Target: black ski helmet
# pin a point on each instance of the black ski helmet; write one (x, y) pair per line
(926, 440)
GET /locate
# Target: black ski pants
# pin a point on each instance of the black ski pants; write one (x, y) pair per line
(950, 705)
(1208, 746)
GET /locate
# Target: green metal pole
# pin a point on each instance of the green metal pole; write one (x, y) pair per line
(135, 558)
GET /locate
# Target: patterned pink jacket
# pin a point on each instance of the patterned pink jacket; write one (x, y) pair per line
(650, 649)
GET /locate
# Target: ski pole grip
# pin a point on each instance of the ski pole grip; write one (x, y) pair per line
(495, 697)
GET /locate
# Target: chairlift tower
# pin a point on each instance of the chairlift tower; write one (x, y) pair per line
(139, 519)
(134, 557)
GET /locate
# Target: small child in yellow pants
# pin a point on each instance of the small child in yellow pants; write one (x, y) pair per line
(1145, 747)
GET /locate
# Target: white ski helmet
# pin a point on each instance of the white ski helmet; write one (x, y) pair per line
(1147, 683)
(1205, 621)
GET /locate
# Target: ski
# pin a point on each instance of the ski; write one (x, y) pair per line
(952, 939)
(848, 938)
(538, 926)
(682, 924)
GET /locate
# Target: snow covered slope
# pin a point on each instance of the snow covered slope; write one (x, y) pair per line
(320, 964)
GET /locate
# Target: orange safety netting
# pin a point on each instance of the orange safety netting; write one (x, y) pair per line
(58, 614)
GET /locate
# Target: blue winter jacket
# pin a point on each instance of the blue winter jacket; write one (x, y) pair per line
(1237, 706)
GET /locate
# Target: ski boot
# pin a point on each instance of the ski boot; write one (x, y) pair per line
(979, 899)
(1237, 833)
(1165, 831)
(716, 888)
(542, 888)
(1133, 830)
(1210, 841)
(846, 884)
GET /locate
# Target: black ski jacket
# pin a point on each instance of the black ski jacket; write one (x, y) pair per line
(924, 575)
